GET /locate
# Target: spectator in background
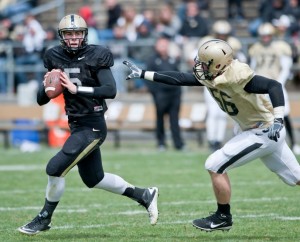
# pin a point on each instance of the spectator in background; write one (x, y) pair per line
(50, 40)
(193, 25)
(10, 8)
(114, 12)
(130, 20)
(87, 14)
(33, 44)
(272, 58)
(267, 13)
(235, 10)
(3, 59)
(292, 10)
(169, 24)
(202, 4)
(150, 17)
(167, 99)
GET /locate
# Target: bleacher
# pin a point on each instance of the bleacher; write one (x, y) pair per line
(218, 10)
(133, 112)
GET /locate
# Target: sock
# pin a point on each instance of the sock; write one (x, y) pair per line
(224, 208)
(134, 193)
(113, 183)
(48, 209)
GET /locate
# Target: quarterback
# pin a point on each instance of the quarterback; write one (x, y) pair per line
(88, 81)
(241, 94)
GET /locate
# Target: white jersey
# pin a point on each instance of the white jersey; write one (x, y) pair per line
(273, 61)
(247, 109)
(254, 114)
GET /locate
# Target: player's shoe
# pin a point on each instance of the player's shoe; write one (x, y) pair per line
(38, 224)
(149, 201)
(216, 221)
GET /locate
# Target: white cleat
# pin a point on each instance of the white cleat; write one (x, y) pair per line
(149, 201)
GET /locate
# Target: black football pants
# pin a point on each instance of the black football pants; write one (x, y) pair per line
(82, 148)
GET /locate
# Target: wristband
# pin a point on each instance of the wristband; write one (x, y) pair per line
(278, 112)
(81, 89)
(149, 75)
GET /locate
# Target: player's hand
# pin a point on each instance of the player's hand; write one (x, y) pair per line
(274, 129)
(136, 72)
(65, 81)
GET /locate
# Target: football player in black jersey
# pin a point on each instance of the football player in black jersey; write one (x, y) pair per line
(88, 81)
(241, 94)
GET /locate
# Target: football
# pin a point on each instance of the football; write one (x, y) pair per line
(53, 87)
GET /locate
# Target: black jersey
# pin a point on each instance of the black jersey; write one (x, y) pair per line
(82, 69)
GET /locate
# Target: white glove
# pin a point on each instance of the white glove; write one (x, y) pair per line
(136, 72)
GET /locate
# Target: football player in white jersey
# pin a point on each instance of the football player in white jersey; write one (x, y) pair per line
(241, 94)
(216, 119)
(272, 58)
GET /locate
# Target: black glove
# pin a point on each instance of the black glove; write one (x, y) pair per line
(136, 72)
(274, 129)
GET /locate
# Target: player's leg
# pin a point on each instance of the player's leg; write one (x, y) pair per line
(92, 174)
(241, 149)
(284, 163)
(76, 147)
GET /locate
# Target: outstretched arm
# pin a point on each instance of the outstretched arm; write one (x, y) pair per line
(168, 77)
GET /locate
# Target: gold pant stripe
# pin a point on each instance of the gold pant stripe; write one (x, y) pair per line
(80, 156)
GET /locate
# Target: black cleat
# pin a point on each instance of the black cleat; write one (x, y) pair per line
(38, 224)
(216, 221)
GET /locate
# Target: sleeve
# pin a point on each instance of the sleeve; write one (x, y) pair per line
(107, 89)
(42, 97)
(262, 85)
(46, 59)
(175, 78)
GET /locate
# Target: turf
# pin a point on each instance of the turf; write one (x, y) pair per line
(263, 207)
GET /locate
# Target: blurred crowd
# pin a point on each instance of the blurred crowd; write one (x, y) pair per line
(185, 24)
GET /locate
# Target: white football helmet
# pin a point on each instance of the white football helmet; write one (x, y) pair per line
(266, 32)
(222, 27)
(72, 22)
(266, 29)
(212, 59)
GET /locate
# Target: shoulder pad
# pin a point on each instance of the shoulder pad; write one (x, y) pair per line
(100, 57)
(283, 47)
(238, 74)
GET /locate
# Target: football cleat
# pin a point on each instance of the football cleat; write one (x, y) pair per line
(149, 201)
(216, 221)
(38, 224)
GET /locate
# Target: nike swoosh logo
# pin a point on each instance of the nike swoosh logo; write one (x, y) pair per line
(96, 130)
(80, 58)
(212, 225)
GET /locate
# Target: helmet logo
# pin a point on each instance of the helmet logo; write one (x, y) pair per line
(73, 21)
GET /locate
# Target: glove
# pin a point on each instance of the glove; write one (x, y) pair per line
(135, 71)
(274, 129)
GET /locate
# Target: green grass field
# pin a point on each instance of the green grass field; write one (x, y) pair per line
(263, 207)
